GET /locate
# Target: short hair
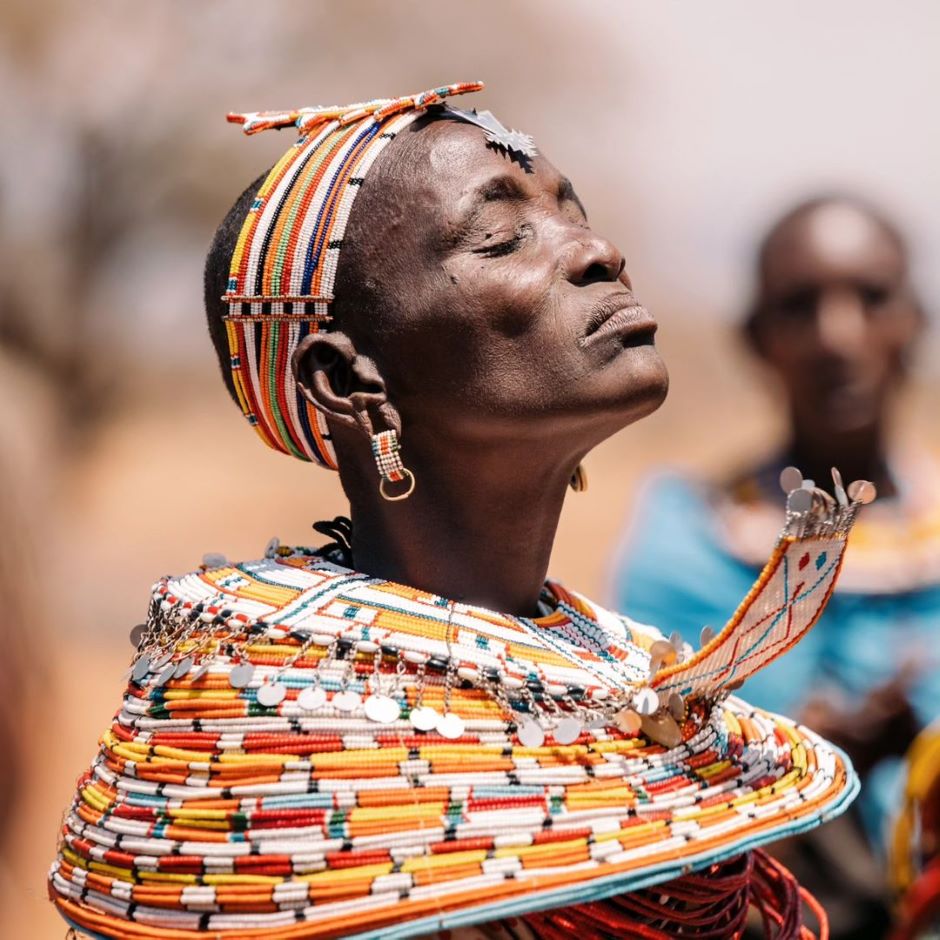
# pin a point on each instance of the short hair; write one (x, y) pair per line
(807, 207)
(215, 278)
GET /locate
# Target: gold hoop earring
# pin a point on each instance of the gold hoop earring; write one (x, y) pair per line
(386, 451)
(579, 480)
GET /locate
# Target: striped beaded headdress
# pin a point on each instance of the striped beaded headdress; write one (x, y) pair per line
(284, 266)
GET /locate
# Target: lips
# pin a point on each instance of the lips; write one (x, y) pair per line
(620, 315)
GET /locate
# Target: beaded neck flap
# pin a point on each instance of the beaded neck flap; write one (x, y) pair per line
(307, 751)
(284, 265)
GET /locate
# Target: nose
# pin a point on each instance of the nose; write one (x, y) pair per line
(841, 322)
(592, 259)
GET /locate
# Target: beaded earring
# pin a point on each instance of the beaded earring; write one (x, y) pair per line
(579, 480)
(386, 450)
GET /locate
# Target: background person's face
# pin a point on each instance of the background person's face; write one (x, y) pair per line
(836, 317)
(511, 318)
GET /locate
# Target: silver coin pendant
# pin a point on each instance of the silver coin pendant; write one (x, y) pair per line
(450, 726)
(424, 718)
(311, 698)
(530, 733)
(346, 701)
(240, 675)
(271, 694)
(382, 708)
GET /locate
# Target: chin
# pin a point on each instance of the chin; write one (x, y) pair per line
(642, 383)
(614, 405)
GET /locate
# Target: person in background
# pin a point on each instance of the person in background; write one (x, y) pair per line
(914, 847)
(835, 319)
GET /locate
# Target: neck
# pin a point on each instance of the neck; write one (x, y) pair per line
(478, 529)
(859, 454)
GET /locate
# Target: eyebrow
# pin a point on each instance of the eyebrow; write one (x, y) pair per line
(566, 193)
(497, 189)
(506, 188)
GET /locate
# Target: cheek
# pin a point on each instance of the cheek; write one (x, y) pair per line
(506, 299)
(785, 356)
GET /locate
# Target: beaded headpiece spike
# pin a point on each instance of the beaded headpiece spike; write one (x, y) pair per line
(284, 265)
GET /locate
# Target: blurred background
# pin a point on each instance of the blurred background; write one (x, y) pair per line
(686, 129)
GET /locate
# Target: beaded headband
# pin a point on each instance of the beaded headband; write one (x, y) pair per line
(284, 265)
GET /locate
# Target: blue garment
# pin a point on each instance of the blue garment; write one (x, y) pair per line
(673, 571)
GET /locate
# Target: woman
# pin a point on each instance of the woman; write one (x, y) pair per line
(409, 729)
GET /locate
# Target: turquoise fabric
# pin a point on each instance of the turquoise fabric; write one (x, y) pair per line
(672, 571)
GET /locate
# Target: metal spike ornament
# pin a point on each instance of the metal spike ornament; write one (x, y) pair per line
(496, 132)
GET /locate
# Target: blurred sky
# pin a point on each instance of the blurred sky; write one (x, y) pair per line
(684, 126)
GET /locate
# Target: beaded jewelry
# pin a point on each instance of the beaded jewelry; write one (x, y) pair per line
(351, 756)
(283, 269)
(386, 451)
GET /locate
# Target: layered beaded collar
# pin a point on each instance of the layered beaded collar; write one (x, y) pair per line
(577, 666)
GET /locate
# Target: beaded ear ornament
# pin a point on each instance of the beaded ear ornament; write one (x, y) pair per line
(342, 645)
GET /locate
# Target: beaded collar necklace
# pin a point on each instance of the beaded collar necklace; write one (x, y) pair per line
(579, 666)
(304, 751)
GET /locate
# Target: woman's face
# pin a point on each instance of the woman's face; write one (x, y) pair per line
(502, 312)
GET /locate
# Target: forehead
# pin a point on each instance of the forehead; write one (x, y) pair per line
(444, 164)
(828, 243)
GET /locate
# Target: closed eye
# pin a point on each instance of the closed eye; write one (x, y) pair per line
(507, 246)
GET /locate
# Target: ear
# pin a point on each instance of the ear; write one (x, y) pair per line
(343, 384)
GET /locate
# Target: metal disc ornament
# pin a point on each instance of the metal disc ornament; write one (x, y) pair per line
(628, 721)
(346, 701)
(183, 667)
(382, 708)
(199, 672)
(838, 487)
(790, 479)
(646, 701)
(663, 651)
(141, 669)
(450, 726)
(312, 698)
(166, 675)
(158, 662)
(676, 706)
(662, 729)
(271, 694)
(800, 501)
(424, 718)
(862, 491)
(530, 733)
(568, 730)
(137, 634)
(241, 675)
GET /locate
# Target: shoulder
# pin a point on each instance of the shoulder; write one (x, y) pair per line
(251, 590)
